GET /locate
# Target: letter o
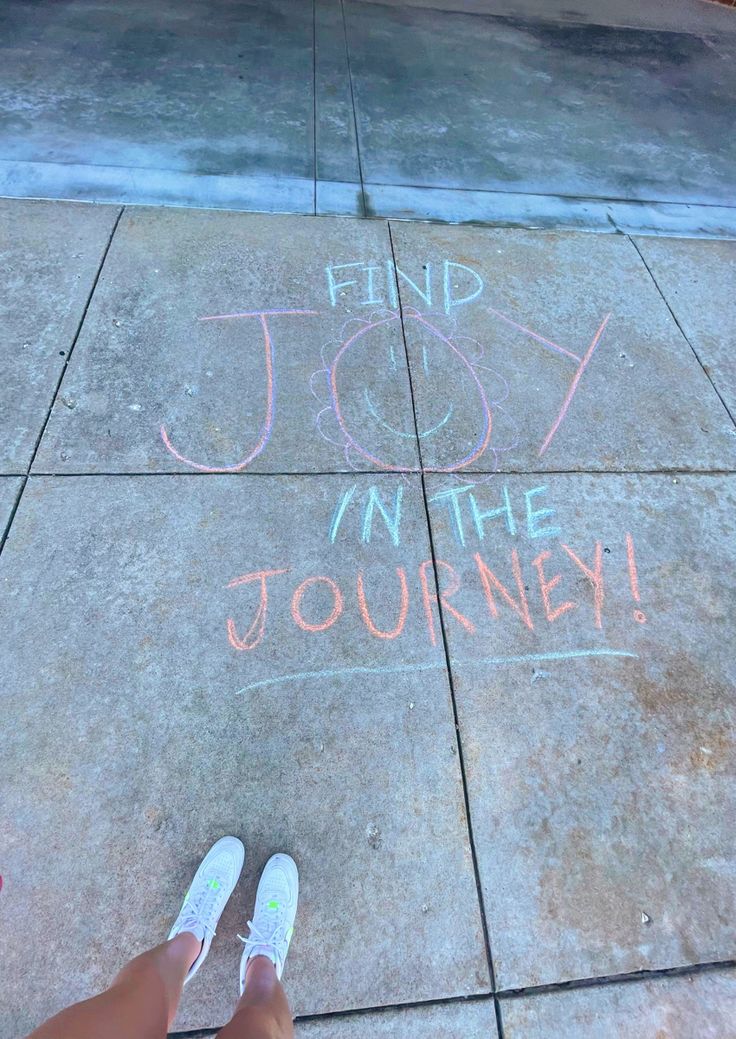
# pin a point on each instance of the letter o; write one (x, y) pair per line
(296, 600)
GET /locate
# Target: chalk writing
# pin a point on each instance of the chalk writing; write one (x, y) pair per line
(403, 607)
(449, 285)
(513, 563)
(456, 499)
(504, 579)
(440, 283)
(491, 583)
(340, 511)
(582, 364)
(475, 397)
(391, 515)
(265, 432)
(634, 577)
(296, 604)
(255, 632)
(545, 607)
(392, 518)
(524, 658)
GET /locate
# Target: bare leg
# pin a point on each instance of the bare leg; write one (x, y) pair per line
(263, 1011)
(141, 1002)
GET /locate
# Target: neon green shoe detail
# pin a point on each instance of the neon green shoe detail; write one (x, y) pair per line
(272, 926)
(207, 895)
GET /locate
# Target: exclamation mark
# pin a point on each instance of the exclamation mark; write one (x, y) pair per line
(639, 617)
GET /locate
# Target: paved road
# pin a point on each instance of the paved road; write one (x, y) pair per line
(600, 116)
(406, 548)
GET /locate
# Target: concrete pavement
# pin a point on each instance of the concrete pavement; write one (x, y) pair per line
(408, 549)
(605, 116)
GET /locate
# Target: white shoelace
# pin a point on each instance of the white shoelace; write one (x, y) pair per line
(273, 941)
(195, 912)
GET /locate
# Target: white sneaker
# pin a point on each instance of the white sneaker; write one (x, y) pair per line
(208, 894)
(273, 918)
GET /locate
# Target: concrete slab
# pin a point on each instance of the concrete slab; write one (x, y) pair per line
(553, 212)
(153, 187)
(595, 694)
(175, 114)
(339, 198)
(49, 257)
(189, 87)
(541, 106)
(695, 16)
(560, 351)
(169, 695)
(701, 1004)
(451, 1021)
(338, 189)
(9, 489)
(336, 149)
(698, 280)
(154, 387)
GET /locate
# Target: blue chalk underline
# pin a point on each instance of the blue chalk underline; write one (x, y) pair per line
(526, 658)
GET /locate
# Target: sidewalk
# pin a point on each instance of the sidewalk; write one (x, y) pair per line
(406, 548)
(606, 116)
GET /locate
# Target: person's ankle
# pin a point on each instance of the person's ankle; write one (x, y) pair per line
(260, 964)
(192, 942)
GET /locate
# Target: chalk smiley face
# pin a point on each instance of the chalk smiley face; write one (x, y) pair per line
(452, 436)
(421, 434)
